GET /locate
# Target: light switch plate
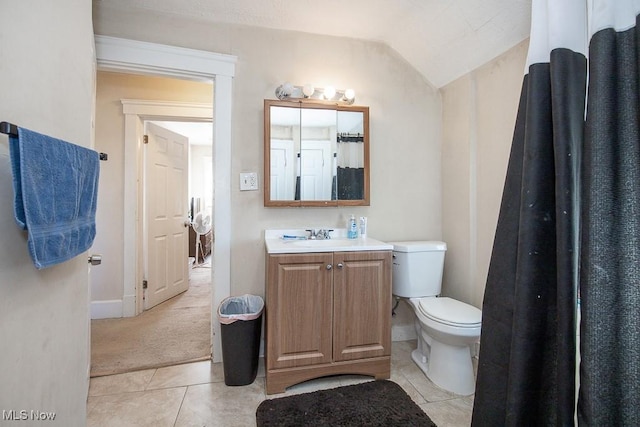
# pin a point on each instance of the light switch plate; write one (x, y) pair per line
(248, 181)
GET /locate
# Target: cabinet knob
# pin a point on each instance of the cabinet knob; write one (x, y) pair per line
(329, 266)
(340, 265)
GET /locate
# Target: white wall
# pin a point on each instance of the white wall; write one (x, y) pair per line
(48, 85)
(405, 118)
(479, 112)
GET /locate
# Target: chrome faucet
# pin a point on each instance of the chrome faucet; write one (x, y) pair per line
(324, 234)
(321, 234)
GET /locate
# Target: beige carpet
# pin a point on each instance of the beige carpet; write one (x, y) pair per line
(176, 331)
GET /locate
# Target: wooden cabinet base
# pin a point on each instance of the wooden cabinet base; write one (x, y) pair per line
(277, 380)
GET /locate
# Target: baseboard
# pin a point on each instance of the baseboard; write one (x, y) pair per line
(106, 309)
(403, 332)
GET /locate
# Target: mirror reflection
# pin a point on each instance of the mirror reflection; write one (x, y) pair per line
(315, 154)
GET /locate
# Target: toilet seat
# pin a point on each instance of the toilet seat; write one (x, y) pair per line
(450, 312)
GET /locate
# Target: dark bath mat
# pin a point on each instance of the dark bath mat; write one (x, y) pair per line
(374, 403)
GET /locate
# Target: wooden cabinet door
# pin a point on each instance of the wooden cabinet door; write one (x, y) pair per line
(299, 310)
(361, 305)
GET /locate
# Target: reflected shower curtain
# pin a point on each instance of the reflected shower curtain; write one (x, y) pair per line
(527, 361)
(350, 167)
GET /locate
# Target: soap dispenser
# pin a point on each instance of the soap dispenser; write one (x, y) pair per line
(363, 227)
(352, 230)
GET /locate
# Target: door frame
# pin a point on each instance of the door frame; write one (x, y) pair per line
(130, 56)
(136, 113)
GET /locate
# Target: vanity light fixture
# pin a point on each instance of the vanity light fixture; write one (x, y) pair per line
(287, 91)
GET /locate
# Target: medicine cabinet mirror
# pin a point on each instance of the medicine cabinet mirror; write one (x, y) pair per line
(315, 154)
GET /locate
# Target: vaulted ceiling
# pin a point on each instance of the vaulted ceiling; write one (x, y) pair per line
(442, 39)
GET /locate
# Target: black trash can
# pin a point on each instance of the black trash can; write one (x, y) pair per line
(240, 328)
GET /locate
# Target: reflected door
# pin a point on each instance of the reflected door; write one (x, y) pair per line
(316, 174)
(282, 170)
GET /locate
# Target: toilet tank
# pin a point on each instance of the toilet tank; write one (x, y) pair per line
(417, 268)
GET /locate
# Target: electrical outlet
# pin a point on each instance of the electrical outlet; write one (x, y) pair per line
(248, 181)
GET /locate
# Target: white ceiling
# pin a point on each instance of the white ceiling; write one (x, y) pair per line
(442, 39)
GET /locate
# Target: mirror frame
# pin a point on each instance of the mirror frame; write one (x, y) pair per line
(312, 104)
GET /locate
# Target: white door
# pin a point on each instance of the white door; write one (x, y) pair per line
(166, 251)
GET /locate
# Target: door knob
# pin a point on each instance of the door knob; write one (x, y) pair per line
(329, 266)
(187, 223)
(95, 259)
(339, 265)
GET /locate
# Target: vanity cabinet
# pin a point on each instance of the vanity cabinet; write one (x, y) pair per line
(327, 314)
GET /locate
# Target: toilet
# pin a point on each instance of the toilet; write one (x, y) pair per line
(446, 328)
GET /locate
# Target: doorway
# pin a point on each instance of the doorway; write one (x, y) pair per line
(153, 59)
(178, 330)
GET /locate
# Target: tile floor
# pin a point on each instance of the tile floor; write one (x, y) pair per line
(194, 394)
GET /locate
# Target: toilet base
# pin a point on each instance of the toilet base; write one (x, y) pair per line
(448, 367)
(444, 353)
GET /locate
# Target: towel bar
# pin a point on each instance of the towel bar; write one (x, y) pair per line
(12, 130)
(8, 128)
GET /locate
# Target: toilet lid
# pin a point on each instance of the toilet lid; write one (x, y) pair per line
(451, 312)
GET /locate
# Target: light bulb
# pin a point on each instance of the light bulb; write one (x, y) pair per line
(308, 90)
(349, 94)
(329, 92)
(284, 90)
(287, 88)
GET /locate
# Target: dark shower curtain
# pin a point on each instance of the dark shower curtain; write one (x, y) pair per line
(527, 352)
(610, 264)
(527, 361)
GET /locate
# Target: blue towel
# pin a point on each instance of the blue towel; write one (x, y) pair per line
(56, 187)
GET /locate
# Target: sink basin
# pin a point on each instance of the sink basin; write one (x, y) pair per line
(275, 244)
(325, 243)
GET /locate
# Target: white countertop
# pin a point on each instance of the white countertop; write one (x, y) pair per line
(275, 244)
